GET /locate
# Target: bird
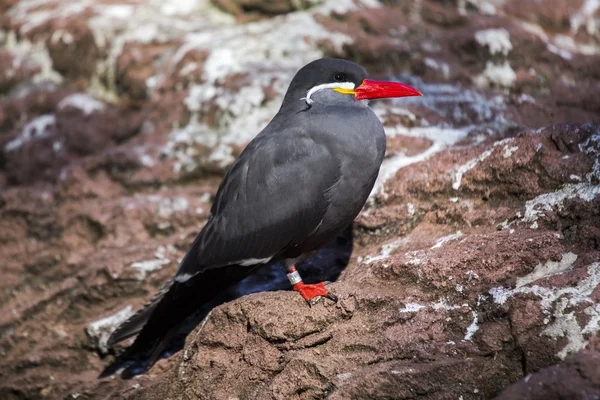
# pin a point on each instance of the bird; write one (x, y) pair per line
(300, 182)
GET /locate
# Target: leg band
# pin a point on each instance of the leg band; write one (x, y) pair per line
(294, 277)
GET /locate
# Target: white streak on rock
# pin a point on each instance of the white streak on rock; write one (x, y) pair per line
(501, 75)
(143, 267)
(222, 155)
(547, 201)
(496, 40)
(386, 250)
(345, 6)
(473, 328)
(508, 151)
(592, 146)
(412, 307)
(443, 305)
(33, 55)
(460, 171)
(437, 65)
(445, 239)
(147, 160)
(556, 301)
(565, 325)
(37, 128)
(574, 177)
(586, 17)
(441, 138)
(81, 101)
(557, 50)
(178, 7)
(168, 206)
(548, 269)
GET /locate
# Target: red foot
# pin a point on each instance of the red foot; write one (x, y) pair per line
(312, 293)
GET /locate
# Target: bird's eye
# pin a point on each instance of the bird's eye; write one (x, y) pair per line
(340, 77)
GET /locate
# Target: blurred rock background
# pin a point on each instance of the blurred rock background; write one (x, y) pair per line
(476, 261)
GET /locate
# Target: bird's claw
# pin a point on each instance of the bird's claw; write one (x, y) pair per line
(312, 293)
(332, 297)
(313, 301)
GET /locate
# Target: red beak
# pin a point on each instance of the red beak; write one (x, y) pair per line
(369, 89)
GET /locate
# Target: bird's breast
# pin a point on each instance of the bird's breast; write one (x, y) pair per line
(357, 143)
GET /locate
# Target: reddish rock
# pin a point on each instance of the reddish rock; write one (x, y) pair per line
(71, 127)
(137, 64)
(580, 371)
(246, 10)
(474, 265)
(72, 39)
(555, 15)
(10, 76)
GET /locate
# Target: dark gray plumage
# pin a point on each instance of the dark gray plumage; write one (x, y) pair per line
(298, 184)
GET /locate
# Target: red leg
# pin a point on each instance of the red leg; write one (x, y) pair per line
(311, 293)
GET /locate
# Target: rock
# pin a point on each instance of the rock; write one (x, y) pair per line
(554, 16)
(474, 265)
(136, 65)
(72, 39)
(72, 126)
(579, 370)
(252, 9)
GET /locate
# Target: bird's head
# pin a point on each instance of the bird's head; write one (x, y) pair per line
(340, 79)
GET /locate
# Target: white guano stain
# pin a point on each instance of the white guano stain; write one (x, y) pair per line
(557, 304)
(501, 75)
(473, 327)
(509, 151)
(143, 267)
(496, 40)
(546, 202)
(549, 268)
(561, 52)
(461, 170)
(386, 250)
(445, 239)
(169, 206)
(438, 65)
(592, 146)
(83, 102)
(161, 259)
(411, 307)
(585, 17)
(37, 128)
(441, 138)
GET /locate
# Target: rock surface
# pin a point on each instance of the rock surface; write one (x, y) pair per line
(475, 264)
(580, 370)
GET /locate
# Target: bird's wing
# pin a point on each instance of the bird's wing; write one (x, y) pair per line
(273, 197)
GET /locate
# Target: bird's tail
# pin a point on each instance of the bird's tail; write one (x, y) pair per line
(162, 323)
(134, 324)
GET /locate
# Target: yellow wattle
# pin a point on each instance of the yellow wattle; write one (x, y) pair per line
(344, 91)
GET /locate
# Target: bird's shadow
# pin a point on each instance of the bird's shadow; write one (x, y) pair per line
(326, 265)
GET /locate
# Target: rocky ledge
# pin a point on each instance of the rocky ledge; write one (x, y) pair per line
(475, 265)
